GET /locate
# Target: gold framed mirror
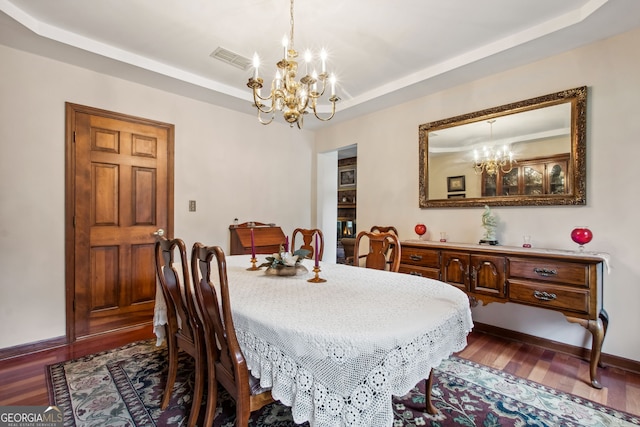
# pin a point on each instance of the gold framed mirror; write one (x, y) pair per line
(531, 152)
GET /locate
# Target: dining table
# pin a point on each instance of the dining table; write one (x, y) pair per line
(337, 352)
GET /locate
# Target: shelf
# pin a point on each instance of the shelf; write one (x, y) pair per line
(346, 205)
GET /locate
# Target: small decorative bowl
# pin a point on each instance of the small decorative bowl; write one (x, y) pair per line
(285, 270)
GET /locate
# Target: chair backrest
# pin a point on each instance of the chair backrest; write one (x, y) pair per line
(378, 250)
(223, 351)
(308, 241)
(387, 229)
(177, 292)
(384, 229)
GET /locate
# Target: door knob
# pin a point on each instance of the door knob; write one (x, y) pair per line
(159, 232)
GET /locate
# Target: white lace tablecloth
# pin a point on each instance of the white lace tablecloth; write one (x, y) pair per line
(336, 352)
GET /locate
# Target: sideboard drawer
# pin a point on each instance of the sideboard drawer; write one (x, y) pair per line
(431, 273)
(547, 270)
(420, 257)
(549, 296)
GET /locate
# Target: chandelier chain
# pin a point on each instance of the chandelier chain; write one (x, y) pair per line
(291, 22)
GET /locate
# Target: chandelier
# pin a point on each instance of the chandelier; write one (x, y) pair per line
(493, 159)
(293, 98)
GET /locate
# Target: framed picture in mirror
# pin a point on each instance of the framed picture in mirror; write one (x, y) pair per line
(455, 183)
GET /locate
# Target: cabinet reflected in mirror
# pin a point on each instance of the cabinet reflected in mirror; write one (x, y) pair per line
(532, 152)
(534, 177)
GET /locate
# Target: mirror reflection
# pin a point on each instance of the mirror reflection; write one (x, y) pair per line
(527, 153)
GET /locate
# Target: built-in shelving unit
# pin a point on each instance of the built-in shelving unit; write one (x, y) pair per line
(347, 196)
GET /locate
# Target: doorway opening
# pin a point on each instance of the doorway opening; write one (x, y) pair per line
(346, 229)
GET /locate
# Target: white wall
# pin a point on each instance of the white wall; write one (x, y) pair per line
(388, 180)
(226, 161)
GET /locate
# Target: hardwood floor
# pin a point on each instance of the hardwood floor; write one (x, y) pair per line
(22, 379)
(567, 373)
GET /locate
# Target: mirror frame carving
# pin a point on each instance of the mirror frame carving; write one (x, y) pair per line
(577, 161)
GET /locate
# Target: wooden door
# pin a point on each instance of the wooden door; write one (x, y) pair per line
(119, 192)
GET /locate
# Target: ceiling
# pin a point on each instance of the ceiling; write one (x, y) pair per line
(382, 52)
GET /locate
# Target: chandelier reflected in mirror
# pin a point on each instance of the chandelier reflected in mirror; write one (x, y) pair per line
(287, 95)
(493, 158)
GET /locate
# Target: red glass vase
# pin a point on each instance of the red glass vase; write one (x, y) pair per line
(420, 229)
(581, 235)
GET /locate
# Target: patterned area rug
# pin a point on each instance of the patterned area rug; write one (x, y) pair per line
(124, 387)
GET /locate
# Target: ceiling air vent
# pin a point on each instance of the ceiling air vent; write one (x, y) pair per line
(231, 58)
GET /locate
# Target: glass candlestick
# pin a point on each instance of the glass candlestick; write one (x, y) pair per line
(526, 241)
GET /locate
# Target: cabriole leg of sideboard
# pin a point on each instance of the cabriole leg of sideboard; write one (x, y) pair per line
(604, 316)
(598, 329)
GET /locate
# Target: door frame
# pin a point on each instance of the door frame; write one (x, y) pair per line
(70, 206)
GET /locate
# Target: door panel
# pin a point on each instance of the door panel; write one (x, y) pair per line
(120, 173)
(488, 275)
(455, 269)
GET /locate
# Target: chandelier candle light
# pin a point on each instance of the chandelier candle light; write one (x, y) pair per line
(293, 98)
(493, 160)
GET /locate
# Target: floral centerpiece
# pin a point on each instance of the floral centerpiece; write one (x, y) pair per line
(284, 263)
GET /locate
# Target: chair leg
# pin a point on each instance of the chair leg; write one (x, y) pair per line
(212, 396)
(243, 406)
(242, 415)
(428, 384)
(198, 390)
(172, 349)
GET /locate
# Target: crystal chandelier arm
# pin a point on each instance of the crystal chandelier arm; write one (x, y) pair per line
(303, 105)
(315, 94)
(506, 169)
(256, 95)
(260, 106)
(266, 122)
(333, 100)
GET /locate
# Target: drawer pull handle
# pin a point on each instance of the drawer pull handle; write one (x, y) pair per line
(415, 273)
(415, 257)
(545, 271)
(544, 296)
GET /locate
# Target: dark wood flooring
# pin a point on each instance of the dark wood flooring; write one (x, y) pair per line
(22, 379)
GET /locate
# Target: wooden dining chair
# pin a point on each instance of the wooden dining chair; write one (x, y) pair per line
(348, 244)
(377, 255)
(308, 242)
(184, 330)
(387, 229)
(225, 362)
(384, 229)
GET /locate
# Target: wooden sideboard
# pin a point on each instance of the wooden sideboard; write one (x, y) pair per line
(267, 238)
(564, 281)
